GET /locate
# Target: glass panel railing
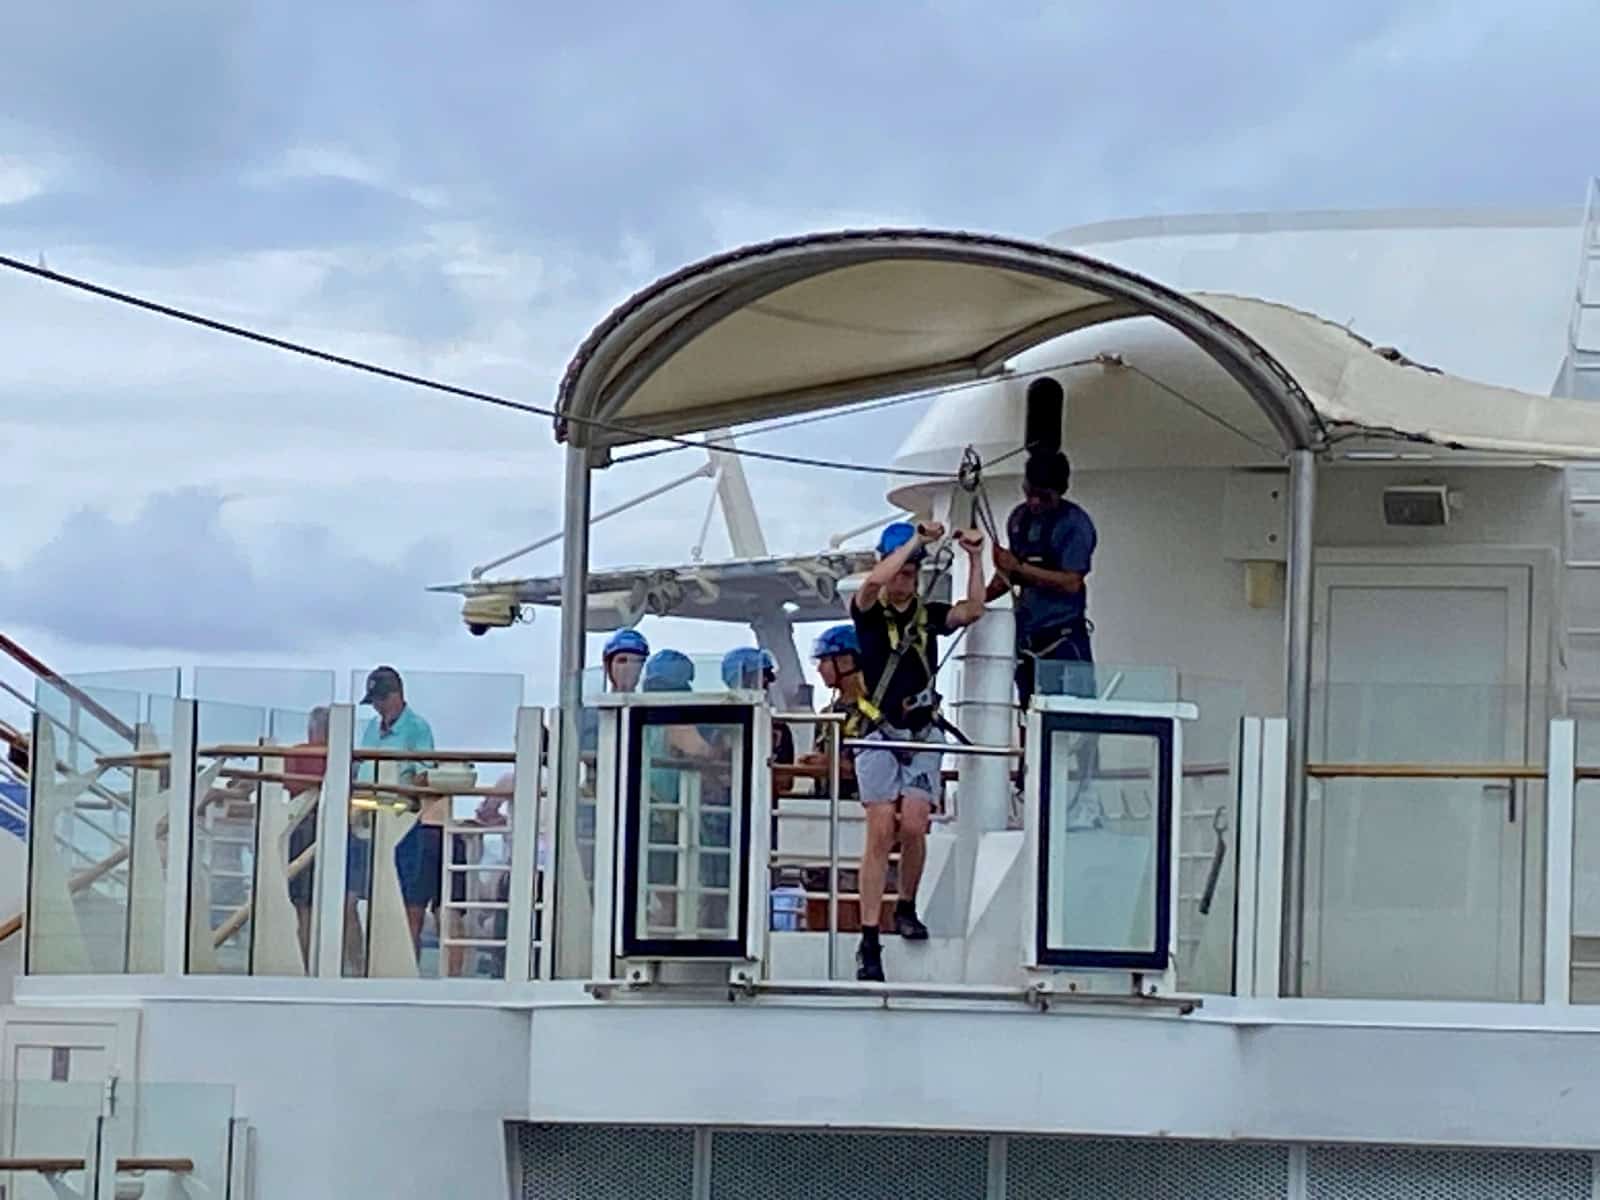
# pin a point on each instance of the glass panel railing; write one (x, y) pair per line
(258, 775)
(289, 847)
(288, 689)
(1105, 820)
(427, 865)
(1586, 886)
(1108, 681)
(1208, 819)
(153, 683)
(85, 784)
(1420, 854)
(683, 878)
(575, 831)
(50, 1135)
(173, 1139)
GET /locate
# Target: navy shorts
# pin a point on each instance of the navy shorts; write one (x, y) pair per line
(301, 840)
(357, 861)
(419, 859)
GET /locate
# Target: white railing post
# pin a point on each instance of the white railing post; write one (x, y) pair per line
(1247, 864)
(333, 841)
(180, 839)
(524, 818)
(1269, 857)
(1560, 800)
(545, 899)
(608, 831)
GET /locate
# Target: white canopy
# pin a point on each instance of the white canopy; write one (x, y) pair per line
(1360, 390)
(833, 319)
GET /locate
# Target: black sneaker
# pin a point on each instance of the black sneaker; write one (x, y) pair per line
(869, 963)
(909, 926)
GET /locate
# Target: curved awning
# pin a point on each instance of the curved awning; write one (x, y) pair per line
(831, 319)
(1363, 391)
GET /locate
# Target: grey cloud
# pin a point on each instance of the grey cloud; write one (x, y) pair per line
(575, 142)
(412, 298)
(553, 127)
(180, 220)
(153, 90)
(174, 576)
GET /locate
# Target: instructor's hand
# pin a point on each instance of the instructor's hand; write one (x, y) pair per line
(1004, 561)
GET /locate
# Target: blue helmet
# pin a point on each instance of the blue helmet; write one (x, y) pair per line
(746, 667)
(894, 536)
(840, 639)
(668, 671)
(625, 641)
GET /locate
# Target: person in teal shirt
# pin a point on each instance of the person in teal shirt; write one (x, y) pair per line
(419, 856)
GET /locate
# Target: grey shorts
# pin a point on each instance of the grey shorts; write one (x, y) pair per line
(883, 776)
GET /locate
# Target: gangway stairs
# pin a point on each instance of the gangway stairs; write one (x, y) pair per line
(97, 839)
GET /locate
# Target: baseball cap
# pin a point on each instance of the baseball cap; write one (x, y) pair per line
(381, 682)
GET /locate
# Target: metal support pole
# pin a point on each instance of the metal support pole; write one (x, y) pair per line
(1297, 706)
(574, 609)
(835, 737)
(180, 840)
(705, 471)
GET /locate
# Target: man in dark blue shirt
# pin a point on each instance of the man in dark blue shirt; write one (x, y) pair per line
(1052, 543)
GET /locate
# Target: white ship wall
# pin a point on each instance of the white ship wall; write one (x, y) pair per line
(1475, 1075)
(354, 1099)
(1161, 569)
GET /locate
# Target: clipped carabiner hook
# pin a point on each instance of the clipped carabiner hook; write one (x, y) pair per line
(969, 476)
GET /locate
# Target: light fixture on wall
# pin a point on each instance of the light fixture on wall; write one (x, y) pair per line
(1417, 504)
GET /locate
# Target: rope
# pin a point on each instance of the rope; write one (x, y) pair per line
(420, 381)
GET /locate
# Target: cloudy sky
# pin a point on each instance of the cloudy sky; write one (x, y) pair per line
(462, 188)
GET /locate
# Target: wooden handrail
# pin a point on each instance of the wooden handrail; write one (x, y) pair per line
(34, 665)
(178, 1166)
(438, 756)
(43, 1166)
(1496, 771)
(157, 758)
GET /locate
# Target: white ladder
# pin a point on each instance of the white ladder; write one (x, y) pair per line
(1580, 378)
(1580, 373)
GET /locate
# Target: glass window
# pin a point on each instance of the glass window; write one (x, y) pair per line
(689, 832)
(1105, 839)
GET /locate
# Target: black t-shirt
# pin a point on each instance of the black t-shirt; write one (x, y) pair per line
(879, 629)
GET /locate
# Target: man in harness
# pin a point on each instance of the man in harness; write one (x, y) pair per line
(1052, 548)
(898, 631)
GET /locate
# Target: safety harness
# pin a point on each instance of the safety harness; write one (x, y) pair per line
(918, 639)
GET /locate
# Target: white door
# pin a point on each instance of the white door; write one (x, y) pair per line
(1414, 888)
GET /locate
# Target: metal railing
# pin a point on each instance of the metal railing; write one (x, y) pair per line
(836, 743)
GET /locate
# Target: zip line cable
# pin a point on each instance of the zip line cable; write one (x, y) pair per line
(420, 381)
